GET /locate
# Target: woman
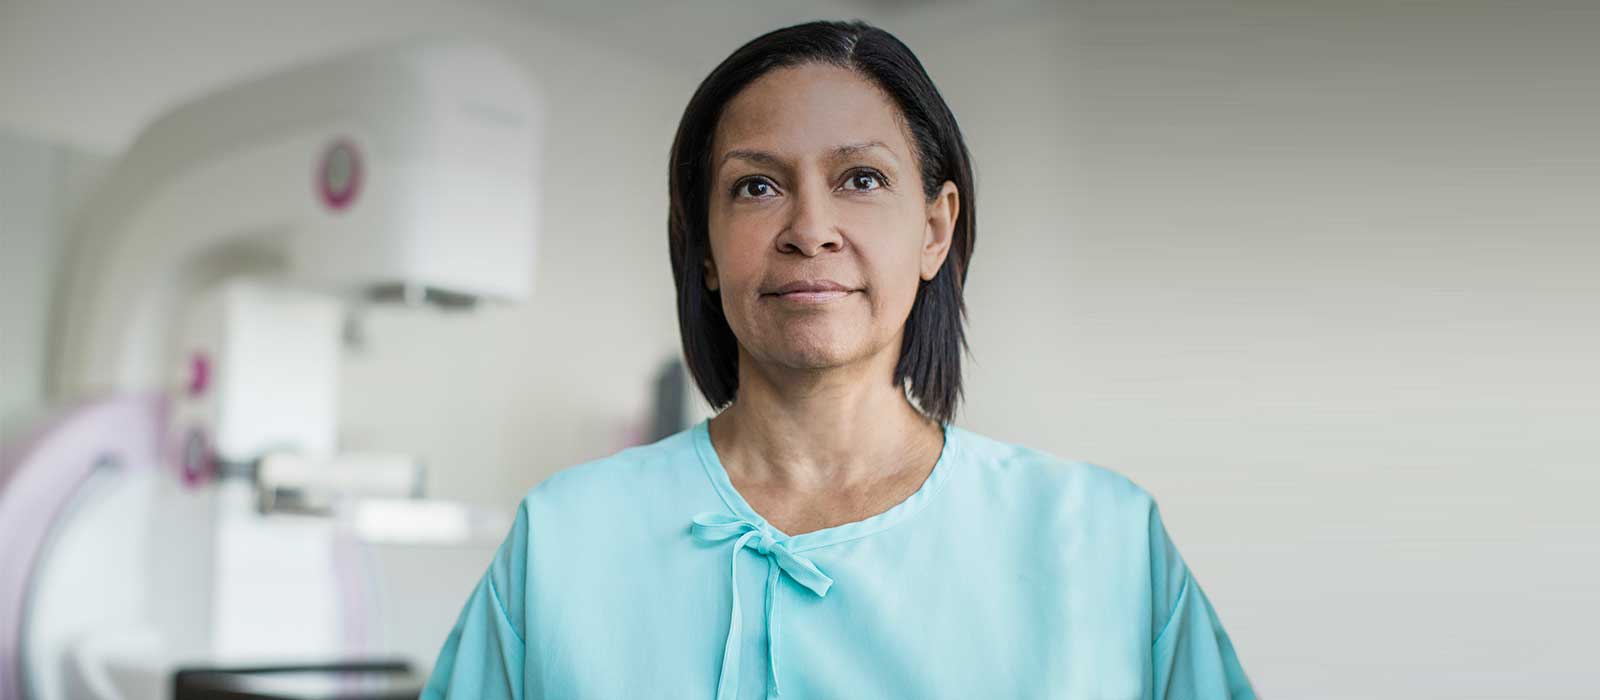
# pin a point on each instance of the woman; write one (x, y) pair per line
(829, 533)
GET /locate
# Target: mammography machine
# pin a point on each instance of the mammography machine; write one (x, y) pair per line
(191, 508)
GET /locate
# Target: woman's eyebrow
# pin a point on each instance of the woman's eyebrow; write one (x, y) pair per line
(757, 157)
(839, 153)
(855, 149)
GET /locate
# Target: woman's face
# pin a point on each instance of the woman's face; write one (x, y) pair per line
(814, 180)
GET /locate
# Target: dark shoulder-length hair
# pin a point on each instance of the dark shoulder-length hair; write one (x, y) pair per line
(929, 368)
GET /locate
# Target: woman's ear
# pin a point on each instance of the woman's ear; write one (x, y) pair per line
(711, 273)
(940, 228)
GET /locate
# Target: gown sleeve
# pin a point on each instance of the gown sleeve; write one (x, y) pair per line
(483, 655)
(1192, 655)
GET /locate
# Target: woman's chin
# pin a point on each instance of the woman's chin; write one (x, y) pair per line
(815, 356)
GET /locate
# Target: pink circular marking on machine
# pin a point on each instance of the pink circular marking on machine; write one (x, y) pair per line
(339, 175)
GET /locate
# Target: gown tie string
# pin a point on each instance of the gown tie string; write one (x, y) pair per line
(716, 527)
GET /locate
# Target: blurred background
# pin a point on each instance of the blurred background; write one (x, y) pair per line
(1321, 276)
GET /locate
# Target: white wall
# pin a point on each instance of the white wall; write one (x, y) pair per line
(41, 184)
(1319, 275)
(29, 255)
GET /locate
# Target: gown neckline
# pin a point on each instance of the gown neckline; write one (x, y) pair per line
(718, 474)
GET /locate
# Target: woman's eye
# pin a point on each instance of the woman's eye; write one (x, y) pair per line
(755, 187)
(864, 180)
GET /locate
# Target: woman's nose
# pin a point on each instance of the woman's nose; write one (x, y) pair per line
(812, 226)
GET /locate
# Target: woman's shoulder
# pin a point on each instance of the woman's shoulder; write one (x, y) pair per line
(1037, 471)
(625, 473)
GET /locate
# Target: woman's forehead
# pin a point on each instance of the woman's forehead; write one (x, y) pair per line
(807, 111)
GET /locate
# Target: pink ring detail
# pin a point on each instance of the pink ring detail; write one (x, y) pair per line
(341, 199)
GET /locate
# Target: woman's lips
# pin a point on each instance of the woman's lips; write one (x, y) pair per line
(819, 297)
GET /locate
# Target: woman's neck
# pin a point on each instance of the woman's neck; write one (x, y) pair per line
(827, 435)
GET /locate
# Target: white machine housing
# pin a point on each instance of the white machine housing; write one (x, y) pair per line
(409, 168)
(236, 223)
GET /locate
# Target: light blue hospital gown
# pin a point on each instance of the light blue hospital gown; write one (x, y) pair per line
(1009, 574)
